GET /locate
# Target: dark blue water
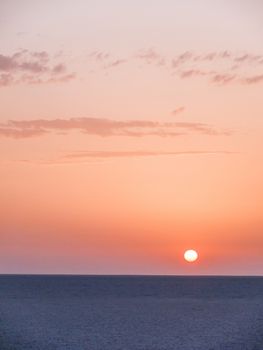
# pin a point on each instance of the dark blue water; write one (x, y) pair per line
(131, 313)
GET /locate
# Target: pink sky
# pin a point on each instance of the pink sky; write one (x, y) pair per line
(131, 131)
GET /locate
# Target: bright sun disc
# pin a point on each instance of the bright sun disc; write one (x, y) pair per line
(190, 255)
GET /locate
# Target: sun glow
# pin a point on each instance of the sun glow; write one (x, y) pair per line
(190, 255)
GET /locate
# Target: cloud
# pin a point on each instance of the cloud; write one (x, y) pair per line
(107, 127)
(151, 56)
(125, 154)
(59, 68)
(214, 66)
(62, 79)
(21, 133)
(181, 59)
(249, 58)
(84, 156)
(223, 78)
(192, 73)
(7, 63)
(99, 56)
(26, 67)
(23, 60)
(116, 63)
(191, 65)
(6, 79)
(178, 110)
(253, 79)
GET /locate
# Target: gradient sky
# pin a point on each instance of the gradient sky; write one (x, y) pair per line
(131, 131)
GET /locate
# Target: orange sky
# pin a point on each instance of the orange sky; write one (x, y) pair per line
(131, 131)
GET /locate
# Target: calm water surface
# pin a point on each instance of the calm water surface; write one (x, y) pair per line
(131, 313)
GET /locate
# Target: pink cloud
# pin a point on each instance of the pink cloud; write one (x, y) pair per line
(7, 63)
(6, 79)
(192, 73)
(23, 61)
(178, 110)
(151, 56)
(216, 66)
(249, 58)
(59, 68)
(31, 68)
(108, 127)
(116, 63)
(21, 133)
(84, 156)
(99, 56)
(253, 79)
(223, 78)
(122, 154)
(182, 59)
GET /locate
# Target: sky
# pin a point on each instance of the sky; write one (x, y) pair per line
(131, 131)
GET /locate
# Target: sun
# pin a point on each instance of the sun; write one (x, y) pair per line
(190, 255)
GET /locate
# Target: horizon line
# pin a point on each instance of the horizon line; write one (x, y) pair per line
(125, 275)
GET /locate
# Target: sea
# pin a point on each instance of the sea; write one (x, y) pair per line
(52, 312)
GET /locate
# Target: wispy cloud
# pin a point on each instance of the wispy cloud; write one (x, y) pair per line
(17, 133)
(99, 56)
(39, 67)
(124, 154)
(255, 79)
(107, 127)
(115, 63)
(192, 73)
(249, 58)
(223, 78)
(151, 56)
(215, 66)
(88, 156)
(178, 110)
(30, 67)
(6, 79)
